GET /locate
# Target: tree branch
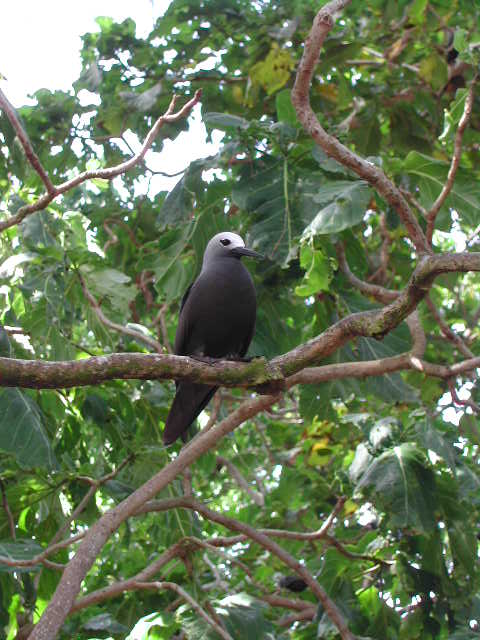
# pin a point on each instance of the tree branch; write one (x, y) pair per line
(107, 174)
(37, 374)
(264, 541)
(95, 538)
(452, 172)
(191, 601)
(256, 496)
(26, 144)
(114, 326)
(322, 25)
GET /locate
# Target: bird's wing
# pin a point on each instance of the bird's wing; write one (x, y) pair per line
(185, 296)
(182, 328)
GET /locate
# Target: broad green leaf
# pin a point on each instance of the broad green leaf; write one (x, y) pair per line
(463, 542)
(274, 71)
(224, 121)
(403, 486)
(346, 203)
(22, 433)
(242, 616)
(433, 70)
(20, 550)
(285, 109)
(112, 284)
(318, 271)
(104, 622)
(417, 10)
(430, 176)
(431, 439)
(269, 195)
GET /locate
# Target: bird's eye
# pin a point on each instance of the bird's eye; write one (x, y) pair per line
(226, 242)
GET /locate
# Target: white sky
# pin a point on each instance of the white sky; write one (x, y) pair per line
(40, 48)
(40, 40)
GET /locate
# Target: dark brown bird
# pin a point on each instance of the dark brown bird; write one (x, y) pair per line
(217, 320)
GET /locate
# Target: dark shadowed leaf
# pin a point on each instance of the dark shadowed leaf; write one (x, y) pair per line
(403, 486)
(22, 432)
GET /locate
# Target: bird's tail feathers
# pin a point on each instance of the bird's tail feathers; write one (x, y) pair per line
(190, 400)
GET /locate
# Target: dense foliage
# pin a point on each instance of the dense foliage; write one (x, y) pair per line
(400, 449)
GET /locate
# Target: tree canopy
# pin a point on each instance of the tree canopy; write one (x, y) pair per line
(333, 490)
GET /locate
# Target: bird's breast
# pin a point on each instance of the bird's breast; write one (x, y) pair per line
(221, 309)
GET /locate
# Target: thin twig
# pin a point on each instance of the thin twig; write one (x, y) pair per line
(128, 331)
(447, 331)
(452, 172)
(32, 157)
(461, 403)
(106, 174)
(94, 486)
(8, 512)
(191, 601)
(256, 496)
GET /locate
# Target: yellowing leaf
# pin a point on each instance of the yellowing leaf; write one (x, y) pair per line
(327, 91)
(434, 71)
(350, 507)
(321, 444)
(274, 71)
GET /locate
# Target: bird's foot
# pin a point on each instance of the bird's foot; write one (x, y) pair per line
(204, 359)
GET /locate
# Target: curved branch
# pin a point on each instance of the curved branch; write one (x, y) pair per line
(264, 541)
(106, 174)
(69, 586)
(32, 157)
(452, 172)
(128, 331)
(322, 25)
(37, 374)
(256, 496)
(191, 601)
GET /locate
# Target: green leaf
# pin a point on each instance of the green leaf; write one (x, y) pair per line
(430, 175)
(105, 622)
(318, 271)
(110, 283)
(416, 11)
(347, 204)
(268, 194)
(224, 121)
(285, 109)
(22, 432)
(431, 439)
(6, 350)
(433, 69)
(274, 71)
(463, 542)
(404, 487)
(21, 550)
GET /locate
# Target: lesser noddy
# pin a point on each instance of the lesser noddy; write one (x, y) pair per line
(217, 320)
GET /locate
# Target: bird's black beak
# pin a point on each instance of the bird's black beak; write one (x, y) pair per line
(243, 251)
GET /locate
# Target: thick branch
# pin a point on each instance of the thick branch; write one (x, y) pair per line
(106, 174)
(377, 323)
(322, 25)
(37, 374)
(76, 570)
